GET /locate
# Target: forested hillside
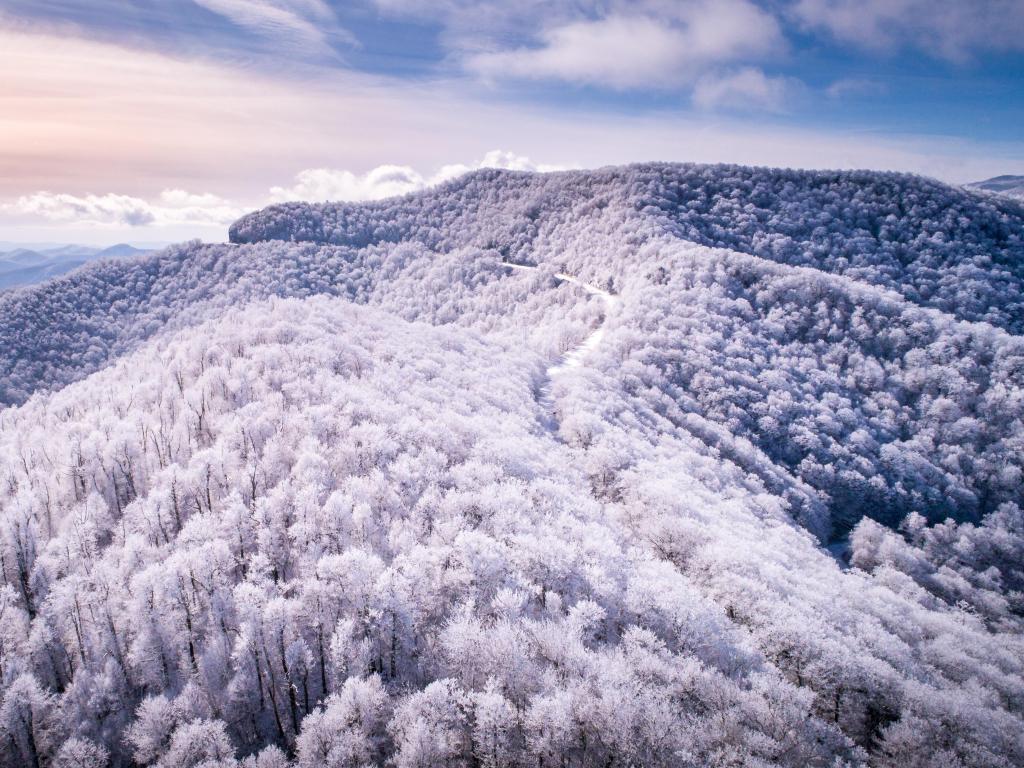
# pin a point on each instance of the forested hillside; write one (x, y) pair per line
(330, 494)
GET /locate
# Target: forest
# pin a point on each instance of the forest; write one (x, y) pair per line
(324, 496)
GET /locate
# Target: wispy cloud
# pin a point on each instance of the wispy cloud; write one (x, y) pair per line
(854, 86)
(300, 24)
(951, 29)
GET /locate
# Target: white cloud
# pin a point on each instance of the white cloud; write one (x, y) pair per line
(951, 29)
(667, 46)
(176, 207)
(745, 89)
(319, 184)
(621, 52)
(179, 199)
(497, 158)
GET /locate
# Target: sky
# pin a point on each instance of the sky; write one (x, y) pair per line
(142, 121)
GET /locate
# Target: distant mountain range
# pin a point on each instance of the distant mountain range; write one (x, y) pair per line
(1012, 186)
(26, 265)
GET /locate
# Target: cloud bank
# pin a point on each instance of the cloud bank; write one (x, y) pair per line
(321, 184)
(173, 207)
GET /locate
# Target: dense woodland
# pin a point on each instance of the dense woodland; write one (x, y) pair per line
(314, 497)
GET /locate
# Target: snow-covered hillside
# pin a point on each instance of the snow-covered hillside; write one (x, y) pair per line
(527, 470)
(1012, 186)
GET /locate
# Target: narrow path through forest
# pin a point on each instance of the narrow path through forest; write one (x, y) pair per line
(574, 357)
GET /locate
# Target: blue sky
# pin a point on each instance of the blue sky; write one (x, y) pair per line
(135, 119)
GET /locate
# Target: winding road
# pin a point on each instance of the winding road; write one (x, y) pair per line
(574, 357)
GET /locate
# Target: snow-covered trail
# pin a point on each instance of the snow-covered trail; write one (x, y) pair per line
(573, 358)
